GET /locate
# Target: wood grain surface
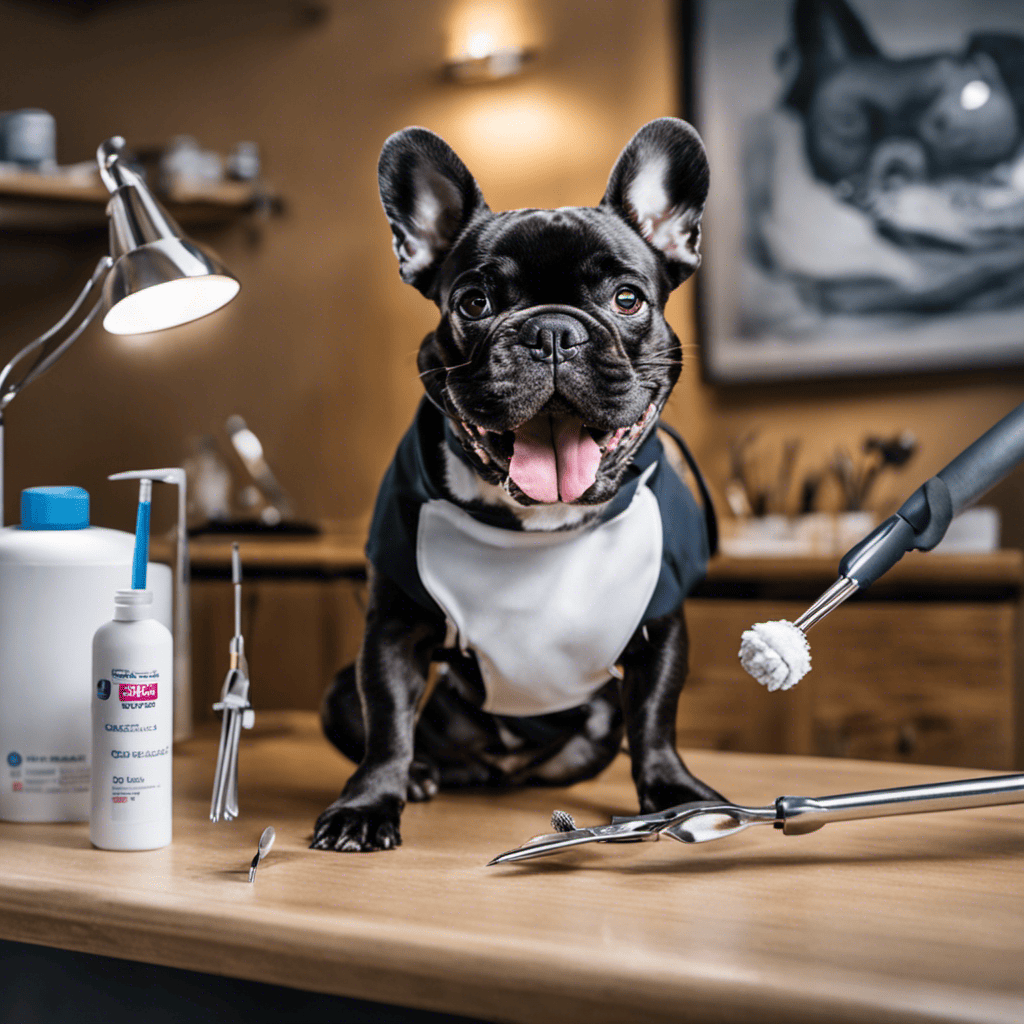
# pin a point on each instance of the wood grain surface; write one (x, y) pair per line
(905, 919)
(932, 682)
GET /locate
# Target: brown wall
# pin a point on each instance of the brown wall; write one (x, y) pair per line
(318, 352)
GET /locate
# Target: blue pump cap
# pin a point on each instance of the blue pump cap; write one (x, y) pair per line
(54, 508)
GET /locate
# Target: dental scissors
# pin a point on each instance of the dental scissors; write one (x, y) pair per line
(705, 820)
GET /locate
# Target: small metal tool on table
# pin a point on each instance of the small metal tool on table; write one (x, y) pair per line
(703, 820)
(266, 842)
(236, 711)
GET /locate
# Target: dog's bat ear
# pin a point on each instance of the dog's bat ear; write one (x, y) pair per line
(1006, 52)
(826, 34)
(659, 186)
(429, 198)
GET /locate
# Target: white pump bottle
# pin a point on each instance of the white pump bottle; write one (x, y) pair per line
(132, 727)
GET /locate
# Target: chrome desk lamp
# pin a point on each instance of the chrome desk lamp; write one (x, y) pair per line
(154, 278)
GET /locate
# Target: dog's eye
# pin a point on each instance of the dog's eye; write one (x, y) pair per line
(474, 304)
(628, 300)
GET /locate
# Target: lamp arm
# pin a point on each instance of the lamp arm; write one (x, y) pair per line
(8, 389)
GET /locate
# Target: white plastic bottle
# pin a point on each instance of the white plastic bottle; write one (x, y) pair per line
(57, 573)
(132, 728)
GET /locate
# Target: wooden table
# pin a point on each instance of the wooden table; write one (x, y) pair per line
(912, 919)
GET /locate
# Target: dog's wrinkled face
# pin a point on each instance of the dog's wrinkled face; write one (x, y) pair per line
(553, 357)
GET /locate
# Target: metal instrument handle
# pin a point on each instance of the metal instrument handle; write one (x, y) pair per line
(220, 772)
(800, 814)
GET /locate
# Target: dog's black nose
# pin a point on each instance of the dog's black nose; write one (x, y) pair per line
(553, 337)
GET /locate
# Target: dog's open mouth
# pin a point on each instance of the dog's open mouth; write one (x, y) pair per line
(555, 457)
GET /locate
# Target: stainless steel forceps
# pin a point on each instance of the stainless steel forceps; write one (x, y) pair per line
(703, 820)
(237, 712)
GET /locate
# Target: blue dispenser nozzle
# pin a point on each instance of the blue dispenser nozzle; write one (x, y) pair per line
(140, 559)
(182, 629)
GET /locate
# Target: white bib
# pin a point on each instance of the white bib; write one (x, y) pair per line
(547, 614)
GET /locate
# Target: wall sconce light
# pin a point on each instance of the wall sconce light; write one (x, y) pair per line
(489, 40)
(483, 61)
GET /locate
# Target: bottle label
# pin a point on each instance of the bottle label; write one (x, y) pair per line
(132, 759)
(135, 790)
(130, 692)
(36, 773)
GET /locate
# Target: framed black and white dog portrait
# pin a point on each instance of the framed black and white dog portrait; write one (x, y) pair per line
(866, 213)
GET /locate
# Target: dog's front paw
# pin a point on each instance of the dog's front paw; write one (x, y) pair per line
(657, 796)
(358, 829)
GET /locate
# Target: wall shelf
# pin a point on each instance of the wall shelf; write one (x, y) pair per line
(31, 201)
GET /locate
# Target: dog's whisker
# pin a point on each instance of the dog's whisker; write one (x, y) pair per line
(459, 366)
(445, 369)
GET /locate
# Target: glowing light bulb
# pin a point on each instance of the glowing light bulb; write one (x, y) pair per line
(479, 45)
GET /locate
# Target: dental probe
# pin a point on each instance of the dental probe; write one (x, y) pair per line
(237, 712)
(777, 653)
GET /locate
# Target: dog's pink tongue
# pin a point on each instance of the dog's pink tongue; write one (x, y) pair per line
(533, 465)
(577, 454)
(554, 459)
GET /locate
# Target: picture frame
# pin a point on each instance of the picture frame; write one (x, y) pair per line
(866, 212)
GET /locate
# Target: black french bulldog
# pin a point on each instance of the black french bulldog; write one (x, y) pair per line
(874, 122)
(529, 535)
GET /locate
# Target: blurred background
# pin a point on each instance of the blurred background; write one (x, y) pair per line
(318, 353)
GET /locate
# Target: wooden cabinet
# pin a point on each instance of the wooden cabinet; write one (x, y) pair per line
(298, 633)
(922, 667)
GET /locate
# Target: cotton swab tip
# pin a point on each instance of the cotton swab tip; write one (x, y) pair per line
(776, 654)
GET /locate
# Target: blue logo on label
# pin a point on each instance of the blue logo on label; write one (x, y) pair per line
(14, 759)
(103, 689)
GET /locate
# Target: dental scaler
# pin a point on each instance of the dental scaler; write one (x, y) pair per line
(778, 655)
(237, 712)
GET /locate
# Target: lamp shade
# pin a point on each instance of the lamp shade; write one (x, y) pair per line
(162, 284)
(159, 278)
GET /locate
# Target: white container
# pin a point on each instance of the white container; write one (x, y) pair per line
(132, 727)
(58, 576)
(974, 531)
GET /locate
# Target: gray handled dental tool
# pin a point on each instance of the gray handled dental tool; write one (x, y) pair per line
(237, 712)
(777, 654)
(704, 820)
